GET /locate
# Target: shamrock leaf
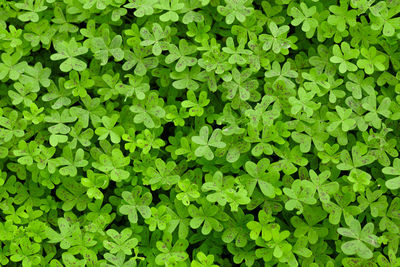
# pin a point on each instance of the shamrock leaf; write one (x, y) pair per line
(238, 55)
(302, 191)
(134, 202)
(342, 207)
(143, 7)
(203, 260)
(93, 182)
(121, 242)
(189, 192)
(258, 174)
(148, 112)
(171, 254)
(196, 106)
(360, 157)
(304, 103)
(181, 55)
(32, 7)
(205, 143)
(162, 175)
(324, 189)
(25, 252)
(11, 66)
(113, 165)
(155, 38)
(283, 73)
(224, 192)
(240, 84)
(342, 16)
(208, 216)
(363, 237)
(139, 59)
(104, 47)
(342, 56)
(70, 162)
(235, 10)
(278, 41)
(393, 183)
(66, 237)
(109, 129)
(304, 17)
(342, 118)
(263, 226)
(172, 6)
(371, 61)
(373, 116)
(73, 194)
(69, 51)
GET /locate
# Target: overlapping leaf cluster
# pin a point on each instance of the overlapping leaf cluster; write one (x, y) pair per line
(199, 133)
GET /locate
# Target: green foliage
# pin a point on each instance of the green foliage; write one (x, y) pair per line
(196, 133)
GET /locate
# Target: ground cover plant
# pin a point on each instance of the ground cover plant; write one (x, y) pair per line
(199, 133)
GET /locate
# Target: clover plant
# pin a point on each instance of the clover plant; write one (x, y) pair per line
(196, 133)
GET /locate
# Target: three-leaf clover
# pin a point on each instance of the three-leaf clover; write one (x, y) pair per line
(143, 7)
(203, 260)
(373, 116)
(301, 191)
(103, 47)
(278, 41)
(342, 16)
(93, 181)
(360, 157)
(372, 60)
(154, 39)
(11, 66)
(196, 107)
(163, 174)
(284, 73)
(304, 17)
(120, 241)
(181, 55)
(26, 252)
(205, 143)
(363, 237)
(134, 202)
(240, 84)
(32, 7)
(69, 51)
(171, 254)
(235, 10)
(238, 55)
(324, 189)
(172, 6)
(148, 112)
(70, 162)
(342, 118)
(342, 56)
(207, 215)
(109, 129)
(113, 165)
(258, 174)
(304, 103)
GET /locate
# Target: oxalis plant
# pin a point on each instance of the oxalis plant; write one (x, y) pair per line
(200, 133)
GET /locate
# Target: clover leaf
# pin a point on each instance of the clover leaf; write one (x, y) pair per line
(69, 51)
(205, 142)
(363, 237)
(134, 202)
(342, 56)
(393, 183)
(235, 10)
(120, 241)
